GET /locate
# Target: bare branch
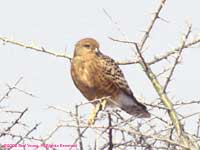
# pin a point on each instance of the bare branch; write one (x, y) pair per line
(10, 89)
(26, 135)
(150, 26)
(177, 59)
(160, 57)
(41, 49)
(135, 132)
(110, 131)
(14, 123)
(78, 129)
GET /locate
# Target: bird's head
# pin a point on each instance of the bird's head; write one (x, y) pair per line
(86, 45)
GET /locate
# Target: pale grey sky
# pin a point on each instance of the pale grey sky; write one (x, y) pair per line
(57, 25)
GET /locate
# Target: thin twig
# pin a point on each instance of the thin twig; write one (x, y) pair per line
(177, 59)
(110, 132)
(26, 135)
(14, 123)
(134, 132)
(78, 129)
(158, 58)
(152, 22)
(41, 49)
(10, 89)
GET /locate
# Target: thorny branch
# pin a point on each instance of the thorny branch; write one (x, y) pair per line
(10, 89)
(158, 58)
(78, 129)
(152, 22)
(122, 133)
(126, 62)
(9, 130)
(133, 132)
(177, 58)
(183, 138)
(15, 87)
(26, 135)
(38, 49)
(110, 131)
(159, 89)
(16, 121)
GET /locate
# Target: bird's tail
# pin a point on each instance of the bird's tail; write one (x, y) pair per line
(130, 105)
(138, 110)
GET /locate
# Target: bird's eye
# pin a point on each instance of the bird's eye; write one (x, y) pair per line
(87, 45)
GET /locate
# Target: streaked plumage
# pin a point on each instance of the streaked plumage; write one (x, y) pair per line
(97, 75)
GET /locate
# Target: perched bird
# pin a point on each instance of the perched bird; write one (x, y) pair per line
(97, 76)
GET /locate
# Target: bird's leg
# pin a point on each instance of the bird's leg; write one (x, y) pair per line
(94, 113)
(100, 106)
(103, 103)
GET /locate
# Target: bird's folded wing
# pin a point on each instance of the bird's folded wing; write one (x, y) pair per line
(112, 73)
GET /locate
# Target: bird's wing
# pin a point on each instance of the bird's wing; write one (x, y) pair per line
(112, 73)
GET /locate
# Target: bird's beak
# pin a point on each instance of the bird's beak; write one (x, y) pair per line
(96, 49)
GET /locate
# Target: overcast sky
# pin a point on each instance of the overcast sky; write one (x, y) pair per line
(58, 25)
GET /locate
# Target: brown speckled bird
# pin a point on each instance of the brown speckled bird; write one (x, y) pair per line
(97, 75)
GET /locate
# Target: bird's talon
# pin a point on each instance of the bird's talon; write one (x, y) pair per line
(103, 104)
(93, 114)
(91, 120)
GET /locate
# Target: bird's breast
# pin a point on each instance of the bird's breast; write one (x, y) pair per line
(88, 76)
(83, 73)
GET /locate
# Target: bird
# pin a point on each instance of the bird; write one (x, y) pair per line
(98, 76)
